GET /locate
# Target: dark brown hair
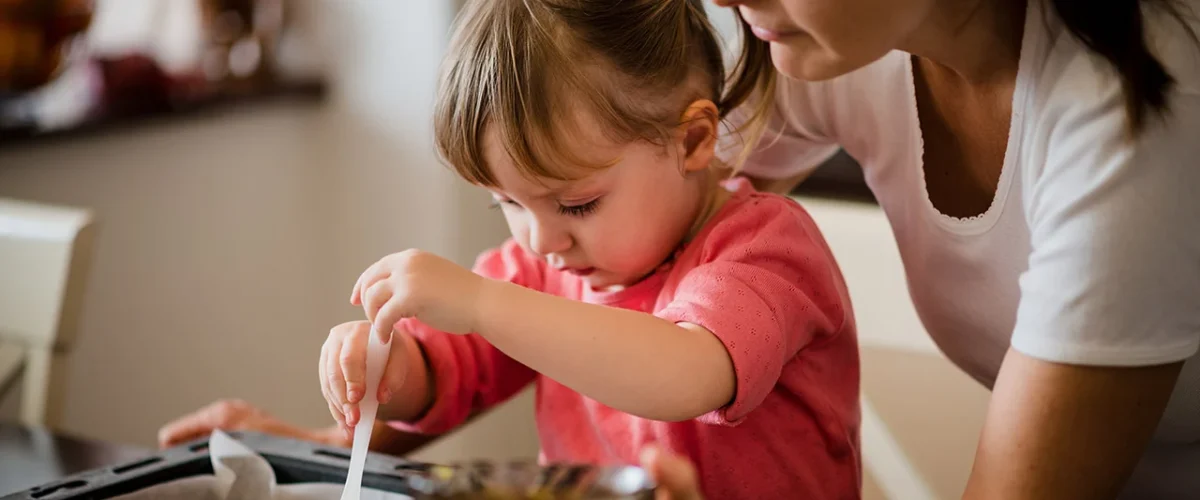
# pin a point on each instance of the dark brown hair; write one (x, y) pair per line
(1115, 30)
(523, 68)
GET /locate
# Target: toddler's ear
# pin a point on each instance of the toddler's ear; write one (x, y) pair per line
(698, 132)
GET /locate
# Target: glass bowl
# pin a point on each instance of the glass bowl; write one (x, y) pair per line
(527, 480)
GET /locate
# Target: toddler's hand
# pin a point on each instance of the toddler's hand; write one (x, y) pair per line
(676, 477)
(343, 370)
(416, 284)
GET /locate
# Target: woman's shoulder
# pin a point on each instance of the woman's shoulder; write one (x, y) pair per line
(1079, 153)
(1077, 97)
(1176, 42)
(1068, 75)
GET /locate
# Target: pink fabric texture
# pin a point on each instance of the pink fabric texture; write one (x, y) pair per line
(761, 278)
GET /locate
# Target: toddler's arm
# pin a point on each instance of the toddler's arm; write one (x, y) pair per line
(632, 361)
(760, 288)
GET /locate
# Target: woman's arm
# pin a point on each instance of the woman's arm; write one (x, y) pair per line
(1057, 431)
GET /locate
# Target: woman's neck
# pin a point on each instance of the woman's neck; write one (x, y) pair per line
(977, 41)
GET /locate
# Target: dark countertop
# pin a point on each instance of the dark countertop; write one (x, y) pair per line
(33, 457)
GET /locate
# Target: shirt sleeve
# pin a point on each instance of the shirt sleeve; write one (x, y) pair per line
(766, 289)
(796, 139)
(470, 375)
(1114, 268)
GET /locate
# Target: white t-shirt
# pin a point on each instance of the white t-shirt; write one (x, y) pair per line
(1090, 251)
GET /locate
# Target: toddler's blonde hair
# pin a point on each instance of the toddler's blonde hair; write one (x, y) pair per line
(527, 67)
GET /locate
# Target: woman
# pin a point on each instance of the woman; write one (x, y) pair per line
(1037, 162)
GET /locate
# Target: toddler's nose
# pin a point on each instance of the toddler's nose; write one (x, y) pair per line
(546, 240)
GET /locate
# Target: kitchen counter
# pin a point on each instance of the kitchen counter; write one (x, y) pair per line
(311, 91)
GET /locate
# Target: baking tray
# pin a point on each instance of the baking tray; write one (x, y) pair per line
(292, 460)
(295, 461)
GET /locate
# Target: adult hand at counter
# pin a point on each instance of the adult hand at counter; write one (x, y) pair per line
(238, 415)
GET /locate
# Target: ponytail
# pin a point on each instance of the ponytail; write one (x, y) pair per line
(751, 82)
(1115, 30)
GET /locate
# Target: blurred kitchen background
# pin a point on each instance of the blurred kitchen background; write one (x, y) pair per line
(245, 160)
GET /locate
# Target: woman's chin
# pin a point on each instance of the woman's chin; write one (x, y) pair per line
(810, 64)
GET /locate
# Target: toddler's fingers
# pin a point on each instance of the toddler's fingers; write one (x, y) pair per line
(676, 477)
(338, 408)
(333, 376)
(356, 293)
(335, 409)
(353, 361)
(389, 314)
(322, 378)
(368, 277)
(325, 366)
(385, 334)
(375, 295)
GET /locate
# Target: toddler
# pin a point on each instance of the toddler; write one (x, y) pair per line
(649, 299)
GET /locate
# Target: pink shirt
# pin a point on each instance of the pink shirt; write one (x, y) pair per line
(761, 278)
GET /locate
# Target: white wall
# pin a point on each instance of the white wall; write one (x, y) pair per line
(228, 245)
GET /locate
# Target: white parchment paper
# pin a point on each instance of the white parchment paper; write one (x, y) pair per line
(241, 474)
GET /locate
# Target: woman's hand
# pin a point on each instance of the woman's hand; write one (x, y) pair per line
(416, 284)
(404, 390)
(676, 477)
(238, 415)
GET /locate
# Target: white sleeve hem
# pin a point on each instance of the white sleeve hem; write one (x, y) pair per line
(1123, 356)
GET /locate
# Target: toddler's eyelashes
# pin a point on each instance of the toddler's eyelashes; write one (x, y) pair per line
(497, 203)
(579, 210)
(571, 210)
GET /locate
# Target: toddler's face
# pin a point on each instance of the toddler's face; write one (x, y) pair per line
(612, 226)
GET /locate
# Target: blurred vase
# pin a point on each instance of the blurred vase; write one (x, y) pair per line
(242, 39)
(34, 36)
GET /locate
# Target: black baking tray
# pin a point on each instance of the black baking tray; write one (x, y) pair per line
(293, 462)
